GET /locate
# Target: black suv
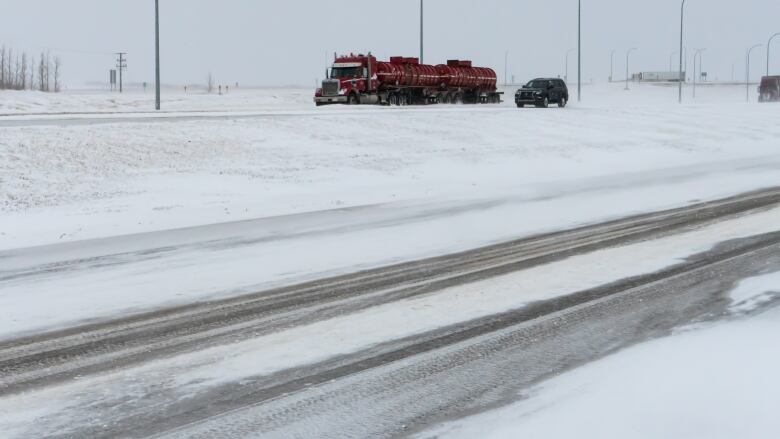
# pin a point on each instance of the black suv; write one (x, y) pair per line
(542, 92)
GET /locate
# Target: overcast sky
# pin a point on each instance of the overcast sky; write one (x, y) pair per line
(263, 42)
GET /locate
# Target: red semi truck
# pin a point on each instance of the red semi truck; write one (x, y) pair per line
(361, 79)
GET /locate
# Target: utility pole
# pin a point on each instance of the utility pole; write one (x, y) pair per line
(422, 30)
(506, 68)
(682, 28)
(747, 71)
(628, 54)
(121, 65)
(579, 51)
(157, 54)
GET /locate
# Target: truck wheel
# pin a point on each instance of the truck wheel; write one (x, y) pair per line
(353, 99)
(562, 103)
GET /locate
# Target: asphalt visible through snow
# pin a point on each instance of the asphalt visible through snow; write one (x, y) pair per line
(400, 386)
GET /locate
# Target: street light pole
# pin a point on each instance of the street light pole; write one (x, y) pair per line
(422, 30)
(768, 51)
(157, 54)
(628, 54)
(579, 51)
(698, 53)
(611, 64)
(566, 75)
(747, 71)
(682, 28)
(506, 68)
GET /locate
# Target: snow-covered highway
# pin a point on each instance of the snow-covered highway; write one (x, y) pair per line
(410, 366)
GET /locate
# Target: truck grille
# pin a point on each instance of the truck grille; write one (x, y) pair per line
(330, 87)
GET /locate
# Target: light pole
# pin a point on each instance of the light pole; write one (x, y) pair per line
(768, 51)
(611, 64)
(579, 50)
(628, 54)
(747, 71)
(566, 76)
(506, 68)
(157, 54)
(682, 28)
(698, 53)
(422, 29)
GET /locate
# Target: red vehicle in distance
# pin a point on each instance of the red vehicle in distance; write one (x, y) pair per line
(361, 79)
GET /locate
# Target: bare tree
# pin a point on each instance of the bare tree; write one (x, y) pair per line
(210, 83)
(2, 69)
(42, 73)
(32, 73)
(23, 72)
(17, 77)
(18, 72)
(57, 67)
(48, 71)
(9, 79)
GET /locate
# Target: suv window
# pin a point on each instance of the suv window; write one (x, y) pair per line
(560, 83)
(538, 83)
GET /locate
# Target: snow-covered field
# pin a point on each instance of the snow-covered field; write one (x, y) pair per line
(110, 179)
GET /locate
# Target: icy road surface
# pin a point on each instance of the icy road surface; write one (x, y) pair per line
(390, 351)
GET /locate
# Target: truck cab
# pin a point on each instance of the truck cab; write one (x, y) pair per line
(769, 90)
(347, 81)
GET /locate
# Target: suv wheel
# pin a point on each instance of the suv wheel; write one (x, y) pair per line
(562, 102)
(520, 105)
(545, 103)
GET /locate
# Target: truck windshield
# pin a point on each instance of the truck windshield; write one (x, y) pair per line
(345, 72)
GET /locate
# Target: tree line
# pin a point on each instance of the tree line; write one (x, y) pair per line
(18, 71)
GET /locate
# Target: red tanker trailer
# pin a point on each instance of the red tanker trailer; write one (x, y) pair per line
(361, 79)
